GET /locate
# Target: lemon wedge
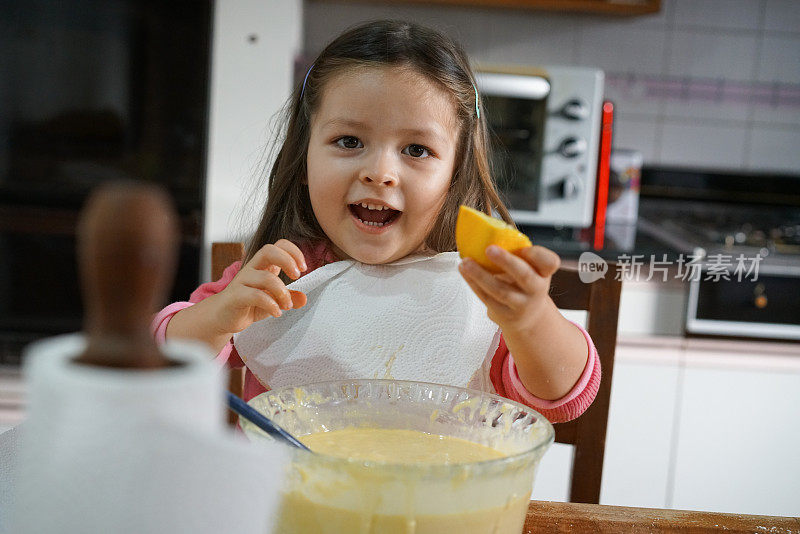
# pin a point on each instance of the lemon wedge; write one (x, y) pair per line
(475, 231)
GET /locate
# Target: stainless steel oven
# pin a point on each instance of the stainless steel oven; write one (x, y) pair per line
(765, 306)
(545, 126)
(741, 234)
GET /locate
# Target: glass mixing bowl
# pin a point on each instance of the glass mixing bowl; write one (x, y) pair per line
(326, 494)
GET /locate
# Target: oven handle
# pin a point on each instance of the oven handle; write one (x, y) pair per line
(513, 85)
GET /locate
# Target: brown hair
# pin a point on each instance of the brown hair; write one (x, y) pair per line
(288, 213)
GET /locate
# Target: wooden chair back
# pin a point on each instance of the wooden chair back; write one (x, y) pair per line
(588, 432)
(222, 255)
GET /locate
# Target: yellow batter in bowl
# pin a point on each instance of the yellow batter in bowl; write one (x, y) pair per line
(398, 445)
(395, 457)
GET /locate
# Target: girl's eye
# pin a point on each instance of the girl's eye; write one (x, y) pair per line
(416, 151)
(348, 141)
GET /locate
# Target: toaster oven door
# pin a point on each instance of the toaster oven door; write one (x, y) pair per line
(516, 111)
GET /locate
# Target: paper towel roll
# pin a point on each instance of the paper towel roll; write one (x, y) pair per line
(106, 450)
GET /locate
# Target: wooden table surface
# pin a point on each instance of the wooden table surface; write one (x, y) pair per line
(572, 518)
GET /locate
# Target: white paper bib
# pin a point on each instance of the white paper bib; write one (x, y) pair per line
(415, 319)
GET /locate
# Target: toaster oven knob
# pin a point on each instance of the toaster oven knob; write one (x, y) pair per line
(575, 110)
(572, 147)
(566, 187)
(571, 187)
(760, 297)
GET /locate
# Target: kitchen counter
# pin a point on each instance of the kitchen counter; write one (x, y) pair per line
(574, 517)
(571, 243)
(652, 302)
(642, 238)
(12, 397)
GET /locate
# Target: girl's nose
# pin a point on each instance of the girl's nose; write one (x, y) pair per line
(380, 171)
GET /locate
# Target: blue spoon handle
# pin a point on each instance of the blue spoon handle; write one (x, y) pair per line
(257, 418)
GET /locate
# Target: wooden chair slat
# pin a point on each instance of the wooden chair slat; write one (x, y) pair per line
(568, 292)
(222, 255)
(235, 386)
(588, 433)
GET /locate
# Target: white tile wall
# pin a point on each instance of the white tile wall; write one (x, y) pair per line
(733, 43)
(782, 15)
(728, 14)
(775, 115)
(687, 143)
(780, 58)
(636, 132)
(712, 54)
(618, 47)
(530, 38)
(460, 24)
(775, 148)
(632, 96)
(707, 109)
(662, 19)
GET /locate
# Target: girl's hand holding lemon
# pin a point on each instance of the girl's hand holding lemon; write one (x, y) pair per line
(512, 278)
(508, 274)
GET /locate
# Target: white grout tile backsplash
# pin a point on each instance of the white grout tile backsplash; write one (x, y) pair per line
(524, 38)
(775, 149)
(708, 83)
(664, 18)
(459, 24)
(780, 58)
(711, 54)
(631, 96)
(782, 16)
(619, 48)
(688, 143)
(638, 133)
(707, 109)
(778, 115)
(723, 14)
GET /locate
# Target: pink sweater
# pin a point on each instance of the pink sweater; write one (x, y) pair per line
(503, 371)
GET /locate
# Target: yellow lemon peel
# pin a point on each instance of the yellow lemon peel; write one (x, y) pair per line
(475, 231)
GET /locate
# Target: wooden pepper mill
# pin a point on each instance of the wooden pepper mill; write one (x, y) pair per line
(127, 251)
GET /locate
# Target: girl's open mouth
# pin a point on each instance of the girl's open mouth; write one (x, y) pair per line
(377, 216)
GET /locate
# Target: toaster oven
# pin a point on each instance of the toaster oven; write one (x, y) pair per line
(545, 126)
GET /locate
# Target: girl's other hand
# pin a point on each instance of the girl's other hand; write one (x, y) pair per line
(257, 292)
(518, 295)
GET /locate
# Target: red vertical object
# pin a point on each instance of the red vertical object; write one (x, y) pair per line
(603, 169)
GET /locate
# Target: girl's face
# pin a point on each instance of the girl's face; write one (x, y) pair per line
(380, 159)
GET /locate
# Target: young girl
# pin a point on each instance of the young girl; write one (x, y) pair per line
(385, 139)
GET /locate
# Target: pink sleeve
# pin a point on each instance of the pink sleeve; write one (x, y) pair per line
(570, 406)
(162, 318)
